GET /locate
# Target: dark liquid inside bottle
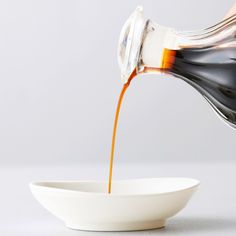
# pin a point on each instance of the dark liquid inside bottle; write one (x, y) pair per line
(212, 71)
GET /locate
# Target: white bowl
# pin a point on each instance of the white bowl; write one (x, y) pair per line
(136, 204)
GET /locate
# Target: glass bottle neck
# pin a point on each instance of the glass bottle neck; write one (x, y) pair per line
(155, 42)
(160, 42)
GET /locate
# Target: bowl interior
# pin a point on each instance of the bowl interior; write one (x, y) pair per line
(125, 187)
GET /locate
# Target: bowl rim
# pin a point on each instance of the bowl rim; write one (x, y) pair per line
(38, 184)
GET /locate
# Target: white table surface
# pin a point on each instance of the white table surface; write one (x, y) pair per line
(212, 211)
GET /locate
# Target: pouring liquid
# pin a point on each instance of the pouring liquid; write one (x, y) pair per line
(211, 70)
(168, 58)
(122, 93)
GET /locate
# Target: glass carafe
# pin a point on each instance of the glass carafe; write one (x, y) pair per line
(206, 59)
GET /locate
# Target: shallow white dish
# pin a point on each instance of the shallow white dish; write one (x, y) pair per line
(136, 204)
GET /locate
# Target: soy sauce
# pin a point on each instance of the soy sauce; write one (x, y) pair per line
(212, 71)
(120, 100)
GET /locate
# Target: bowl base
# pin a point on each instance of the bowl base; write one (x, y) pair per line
(119, 226)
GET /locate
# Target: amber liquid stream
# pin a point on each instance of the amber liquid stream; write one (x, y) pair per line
(167, 61)
(122, 93)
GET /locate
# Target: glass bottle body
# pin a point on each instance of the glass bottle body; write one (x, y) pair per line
(206, 60)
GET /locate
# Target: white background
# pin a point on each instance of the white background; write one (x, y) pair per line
(59, 83)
